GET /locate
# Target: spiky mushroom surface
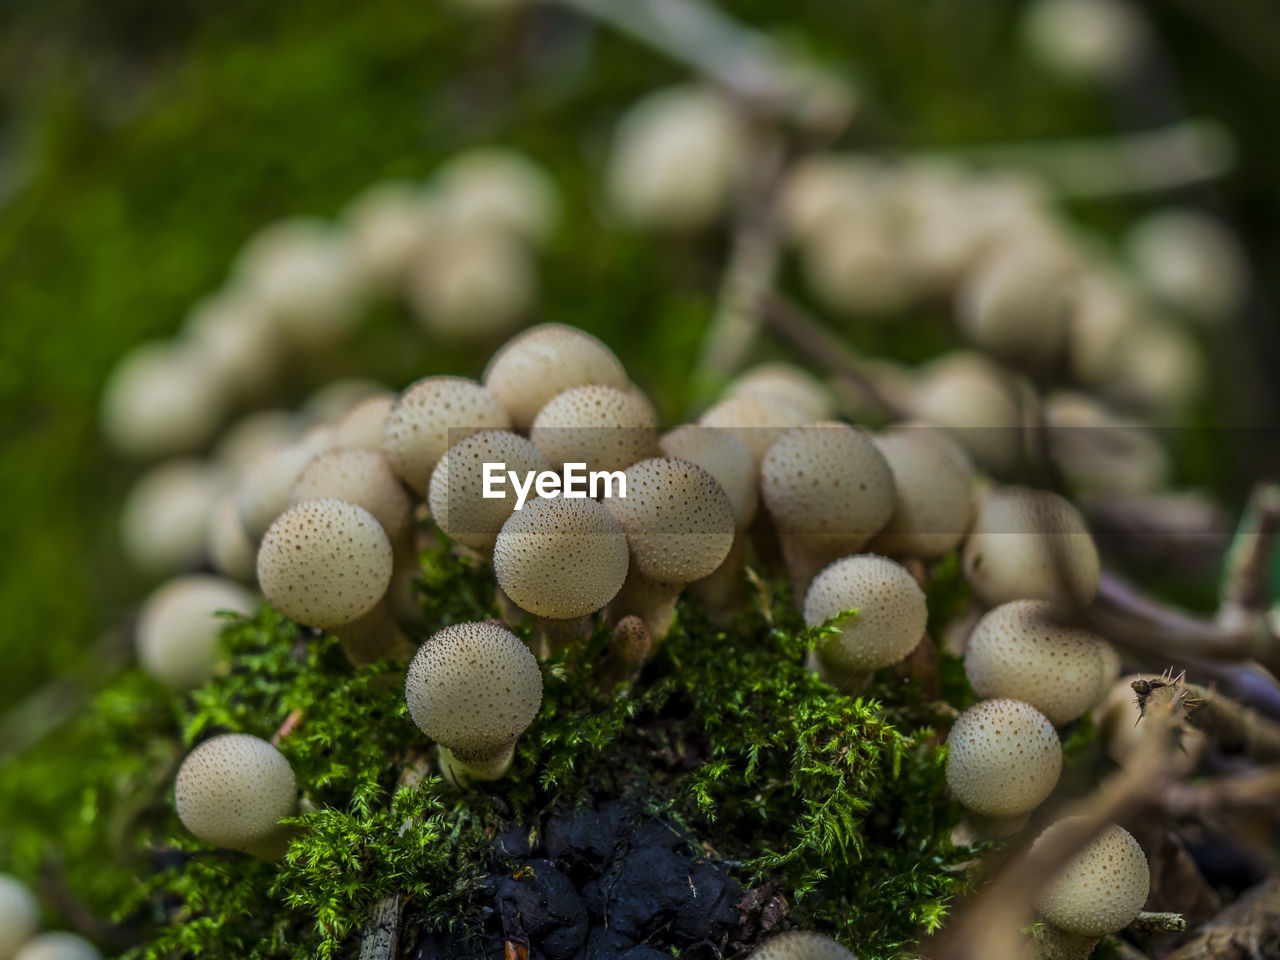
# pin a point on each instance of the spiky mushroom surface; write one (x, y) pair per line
(1103, 887)
(603, 427)
(1003, 758)
(456, 494)
(19, 914)
(178, 627)
(801, 945)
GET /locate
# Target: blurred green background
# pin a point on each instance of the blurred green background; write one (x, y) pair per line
(141, 143)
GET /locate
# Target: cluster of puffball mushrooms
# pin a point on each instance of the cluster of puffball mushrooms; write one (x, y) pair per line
(20, 936)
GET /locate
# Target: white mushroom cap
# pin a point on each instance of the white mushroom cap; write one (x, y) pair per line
(545, 360)
(1102, 889)
(1030, 545)
(1019, 650)
(722, 454)
(603, 427)
(933, 493)
(365, 424)
(1124, 737)
(431, 416)
(1003, 758)
(856, 266)
(789, 384)
(496, 188)
(1098, 450)
(159, 400)
(57, 946)
(362, 477)
(1159, 368)
(678, 521)
(676, 160)
(232, 791)
(388, 224)
(254, 435)
(178, 629)
(890, 620)
(235, 337)
(456, 495)
(325, 563)
(229, 548)
(561, 558)
(827, 185)
(1102, 312)
(265, 486)
(1190, 262)
(333, 401)
(801, 945)
(473, 284)
(1090, 40)
(969, 397)
(474, 687)
(162, 524)
(19, 914)
(759, 422)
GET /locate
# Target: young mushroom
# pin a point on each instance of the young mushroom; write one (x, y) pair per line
(1030, 545)
(160, 400)
(545, 360)
(57, 945)
(233, 790)
(603, 427)
(266, 485)
(972, 400)
(933, 494)
(1003, 758)
(789, 384)
(474, 688)
(1020, 650)
(19, 914)
(801, 945)
(163, 521)
(888, 625)
(178, 628)
(365, 424)
(230, 551)
(477, 283)
(758, 421)
(359, 476)
(679, 525)
(499, 189)
(829, 492)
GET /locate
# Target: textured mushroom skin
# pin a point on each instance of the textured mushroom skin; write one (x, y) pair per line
(474, 688)
(1103, 887)
(722, 454)
(432, 415)
(456, 494)
(233, 791)
(603, 427)
(359, 476)
(561, 558)
(1018, 650)
(1003, 758)
(325, 563)
(801, 945)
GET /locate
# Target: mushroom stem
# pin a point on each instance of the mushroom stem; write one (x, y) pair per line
(721, 593)
(550, 635)
(807, 554)
(373, 637)
(629, 648)
(1054, 944)
(652, 601)
(460, 772)
(842, 678)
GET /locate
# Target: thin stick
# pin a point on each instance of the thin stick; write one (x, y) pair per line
(1146, 922)
(1245, 582)
(381, 935)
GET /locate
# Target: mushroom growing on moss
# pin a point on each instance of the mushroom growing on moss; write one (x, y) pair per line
(545, 360)
(933, 493)
(57, 945)
(1030, 545)
(801, 945)
(228, 547)
(829, 491)
(1003, 758)
(265, 486)
(178, 630)
(679, 525)
(233, 790)
(1102, 889)
(163, 521)
(888, 625)
(1020, 650)
(603, 427)
(19, 914)
(359, 476)
(474, 688)
(159, 400)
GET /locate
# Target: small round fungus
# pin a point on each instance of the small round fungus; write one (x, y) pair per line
(497, 189)
(388, 223)
(801, 945)
(255, 435)
(788, 384)
(365, 424)
(1191, 262)
(546, 360)
(758, 421)
(359, 476)
(456, 495)
(1003, 758)
(1090, 40)
(475, 284)
(888, 625)
(1018, 650)
(474, 688)
(178, 629)
(161, 399)
(57, 945)
(230, 550)
(431, 416)
(233, 790)
(933, 499)
(233, 334)
(1030, 545)
(1103, 887)
(164, 518)
(560, 558)
(19, 914)
(829, 491)
(325, 563)
(970, 398)
(1099, 451)
(266, 485)
(855, 266)
(603, 427)
(722, 454)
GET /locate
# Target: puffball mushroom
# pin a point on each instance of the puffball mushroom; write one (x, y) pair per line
(560, 558)
(933, 493)
(676, 160)
(829, 491)
(1090, 40)
(474, 284)
(972, 400)
(161, 399)
(456, 494)
(603, 427)
(758, 421)
(178, 627)
(365, 424)
(474, 688)
(163, 521)
(432, 415)
(801, 945)
(1003, 758)
(233, 333)
(19, 914)
(722, 454)
(1030, 545)
(543, 361)
(1159, 368)
(679, 525)
(233, 790)
(1020, 651)
(228, 547)
(1103, 309)
(491, 188)
(1097, 450)
(1102, 889)
(789, 384)
(388, 224)
(889, 624)
(1191, 262)
(266, 485)
(57, 945)
(823, 186)
(362, 477)
(254, 435)
(856, 266)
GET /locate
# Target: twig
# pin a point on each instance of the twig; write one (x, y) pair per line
(1251, 791)
(1147, 922)
(381, 935)
(1240, 931)
(1235, 728)
(289, 725)
(1245, 582)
